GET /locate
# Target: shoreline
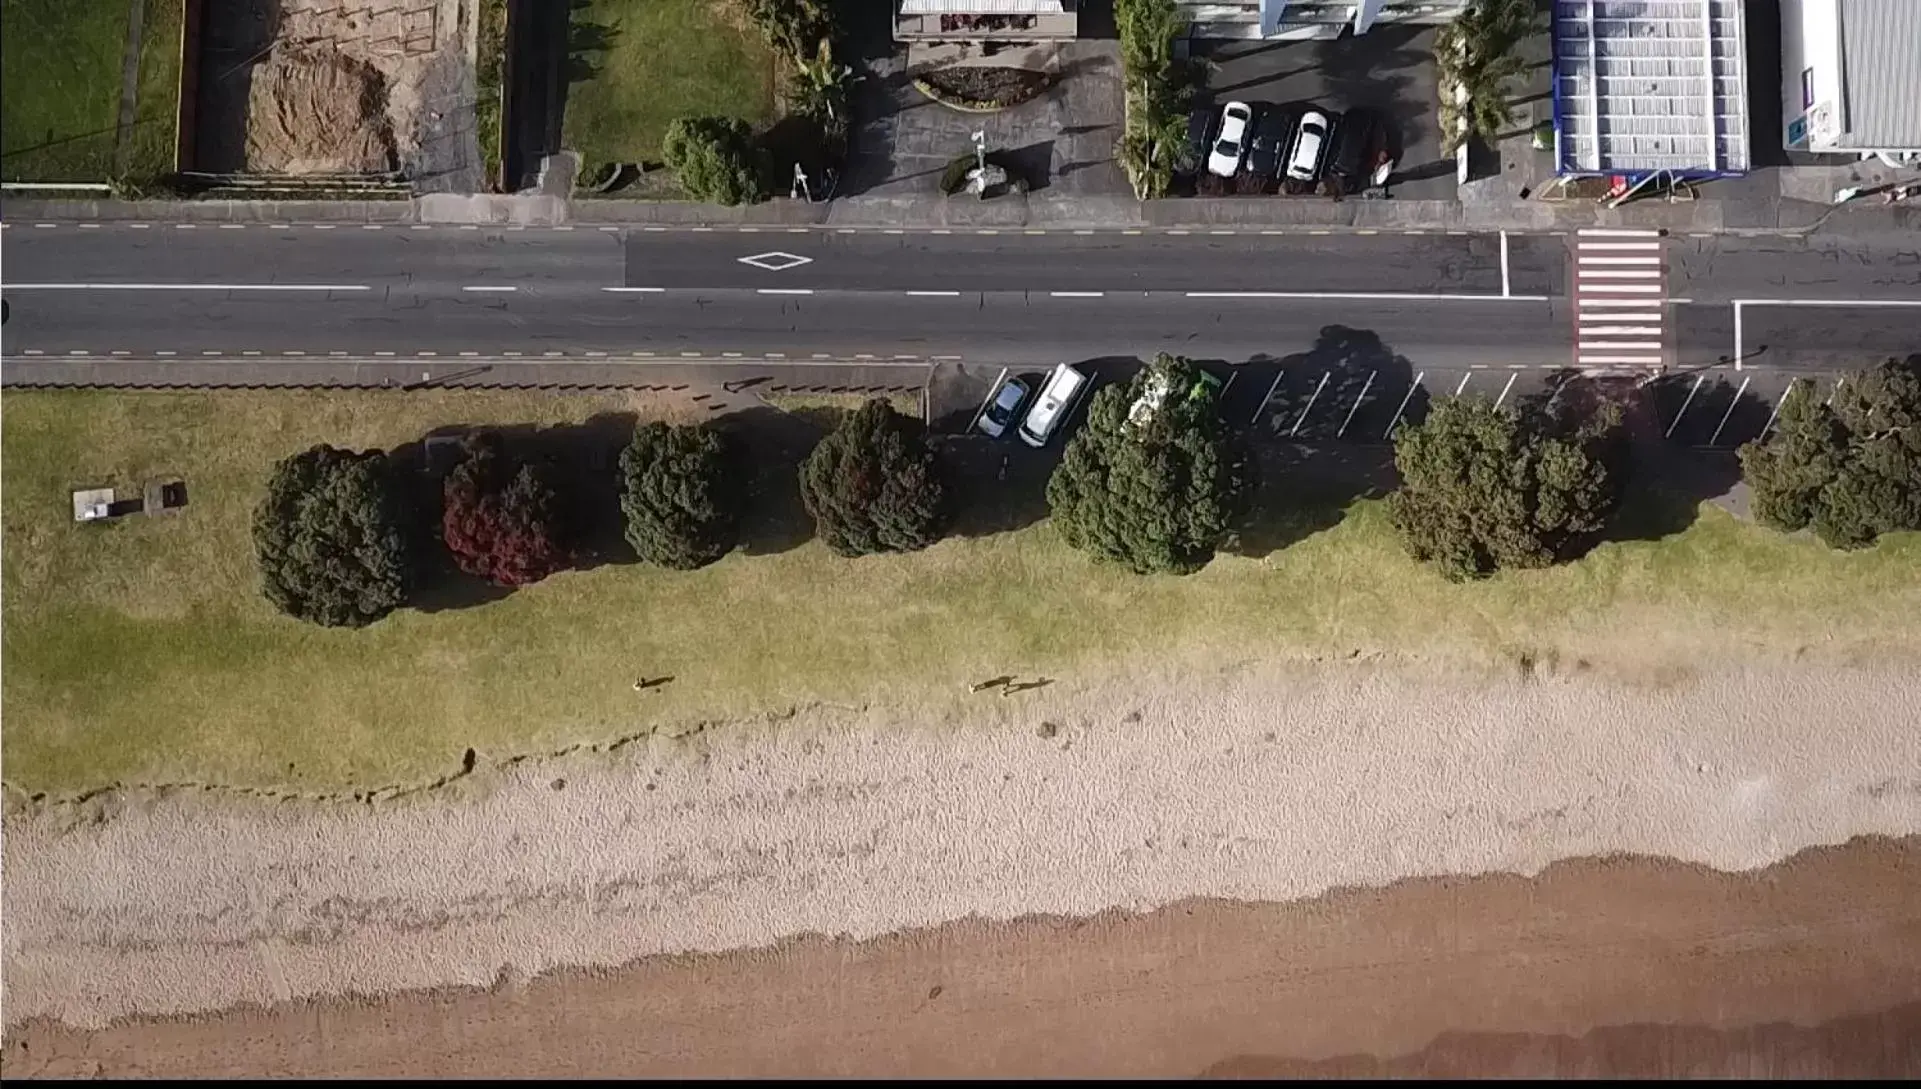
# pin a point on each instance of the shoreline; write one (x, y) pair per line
(1617, 967)
(1265, 785)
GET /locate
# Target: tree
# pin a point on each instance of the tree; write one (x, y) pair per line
(1160, 494)
(502, 519)
(715, 158)
(1475, 53)
(1156, 94)
(1851, 469)
(874, 485)
(794, 26)
(333, 538)
(682, 493)
(1485, 487)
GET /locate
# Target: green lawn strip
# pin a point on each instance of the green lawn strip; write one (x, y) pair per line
(60, 87)
(491, 48)
(157, 105)
(142, 651)
(664, 59)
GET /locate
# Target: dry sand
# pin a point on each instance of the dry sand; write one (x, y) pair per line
(1268, 786)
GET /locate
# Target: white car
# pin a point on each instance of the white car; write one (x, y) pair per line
(1310, 143)
(1225, 159)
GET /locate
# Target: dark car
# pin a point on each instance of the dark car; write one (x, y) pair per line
(1272, 131)
(1359, 139)
(1201, 125)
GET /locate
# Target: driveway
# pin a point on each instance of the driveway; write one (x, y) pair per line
(1064, 139)
(1390, 70)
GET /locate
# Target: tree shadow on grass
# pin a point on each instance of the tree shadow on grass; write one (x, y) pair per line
(774, 443)
(1305, 489)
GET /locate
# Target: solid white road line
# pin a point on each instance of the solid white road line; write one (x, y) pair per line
(1738, 394)
(1405, 398)
(1676, 422)
(784, 291)
(488, 287)
(1827, 302)
(188, 287)
(934, 294)
(1362, 296)
(1075, 294)
(636, 290)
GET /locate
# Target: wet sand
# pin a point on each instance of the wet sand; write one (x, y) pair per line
(1624, 967)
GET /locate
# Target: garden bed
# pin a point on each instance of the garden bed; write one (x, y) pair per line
(982, 88)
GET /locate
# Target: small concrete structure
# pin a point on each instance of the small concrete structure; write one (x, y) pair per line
(986, 20)
(92, 504)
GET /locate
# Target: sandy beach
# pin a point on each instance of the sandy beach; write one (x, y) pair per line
(1264, 786)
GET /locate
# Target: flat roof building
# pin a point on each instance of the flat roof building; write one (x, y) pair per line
(1285, 20)
(1650, 86)
(1851, 77)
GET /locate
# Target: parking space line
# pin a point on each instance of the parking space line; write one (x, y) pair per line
(1838, 383)
(1265, 401)
(1498, 401)
(1676, 422)
(1365, 386)
(1785, 394)
(1738, 394)
(1463, 385)
(1296, 429)
(1405, 398)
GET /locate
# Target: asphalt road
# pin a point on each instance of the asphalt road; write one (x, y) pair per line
(1016, 298)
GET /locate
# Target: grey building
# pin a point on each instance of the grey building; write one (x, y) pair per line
(1851, 77)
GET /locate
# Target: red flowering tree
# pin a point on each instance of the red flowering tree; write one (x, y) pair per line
(502, 518)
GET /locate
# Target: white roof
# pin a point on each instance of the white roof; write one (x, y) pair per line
(981, 7)
(1646, 85)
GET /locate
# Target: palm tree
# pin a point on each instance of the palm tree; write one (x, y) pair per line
(1476, 54)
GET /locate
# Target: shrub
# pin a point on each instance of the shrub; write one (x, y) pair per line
(333, 538)
(716, 159)
(874, 485)
(1160, 495)
(502, 519)
(1486, 487)
(682, 493)
(1850, 469)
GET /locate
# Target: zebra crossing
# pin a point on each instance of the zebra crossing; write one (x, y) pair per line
(1620, 298)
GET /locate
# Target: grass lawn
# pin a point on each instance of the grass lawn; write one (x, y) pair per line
(60, 79)
(142, 651)
(664, 59)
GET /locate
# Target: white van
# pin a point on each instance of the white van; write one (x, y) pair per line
(1057, 397)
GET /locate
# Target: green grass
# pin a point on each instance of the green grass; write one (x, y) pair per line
(666, 59)
(142, 651)
(60, 76)
(491, 47)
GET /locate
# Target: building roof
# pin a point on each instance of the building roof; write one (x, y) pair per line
(1648, 85)
(981, 7)
(1881, 62)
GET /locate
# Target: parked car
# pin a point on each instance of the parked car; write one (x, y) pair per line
(1310, 144)
(1272, 131)
(1225, 159)
(1360, 139)
(1154, 395)
(1003, 409)
(1200, 134)
(1056, 401)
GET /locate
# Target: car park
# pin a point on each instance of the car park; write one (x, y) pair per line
(1200, 134)
(1358, 145)
(1272, 131)
(1225, 158)
(1003, 408)
(1055, 402)
(1310, 146)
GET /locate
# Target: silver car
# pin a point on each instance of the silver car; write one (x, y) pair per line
(1005, 408)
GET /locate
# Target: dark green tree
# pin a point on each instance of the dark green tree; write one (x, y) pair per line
(502, 518)
(682, 493)
(875, 485)
(1160, 492)
(334, 538)
(1851, 469)
(1485, 487)
(716, 159)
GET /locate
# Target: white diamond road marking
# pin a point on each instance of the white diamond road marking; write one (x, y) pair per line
(776, 261)
(1620, 298)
